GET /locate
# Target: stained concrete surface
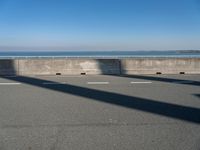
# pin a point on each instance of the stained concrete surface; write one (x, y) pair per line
(118, 115)
(72, 66)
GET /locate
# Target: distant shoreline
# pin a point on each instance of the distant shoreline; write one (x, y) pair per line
(188, 51)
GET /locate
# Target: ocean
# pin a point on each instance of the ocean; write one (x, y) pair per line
(96, 54)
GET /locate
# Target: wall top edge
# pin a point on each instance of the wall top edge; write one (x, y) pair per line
(93, 58)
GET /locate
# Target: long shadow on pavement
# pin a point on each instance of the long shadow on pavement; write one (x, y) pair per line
(197, 95)
(185, 113)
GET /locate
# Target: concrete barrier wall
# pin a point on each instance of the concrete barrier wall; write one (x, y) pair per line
(99, 66)
(68, 66)
(162, 65)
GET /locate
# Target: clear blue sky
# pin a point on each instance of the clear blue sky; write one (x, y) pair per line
(100, 24)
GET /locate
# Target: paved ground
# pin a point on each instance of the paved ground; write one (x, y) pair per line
(100, 112)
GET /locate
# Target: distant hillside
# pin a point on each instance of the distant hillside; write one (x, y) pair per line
(188, 51)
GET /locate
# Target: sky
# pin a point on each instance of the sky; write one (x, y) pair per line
(99, 24)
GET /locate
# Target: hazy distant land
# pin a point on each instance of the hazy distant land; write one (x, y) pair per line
(188, 51)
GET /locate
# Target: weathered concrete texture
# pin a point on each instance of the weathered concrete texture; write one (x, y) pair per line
(162, 65)
(8, 67)
(68, 66)
(35, 67)
(100, 66)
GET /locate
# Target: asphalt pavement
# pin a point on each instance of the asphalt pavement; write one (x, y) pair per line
(96, 112)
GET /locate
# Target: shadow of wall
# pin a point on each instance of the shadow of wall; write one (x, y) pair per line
(197, 95)
(8, 67)
(109, 66)
(175, 111)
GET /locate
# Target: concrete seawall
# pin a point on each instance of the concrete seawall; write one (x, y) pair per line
(160, 65)
(59, 66)
(72, 66)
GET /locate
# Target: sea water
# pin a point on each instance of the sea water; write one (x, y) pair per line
(96, 54)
